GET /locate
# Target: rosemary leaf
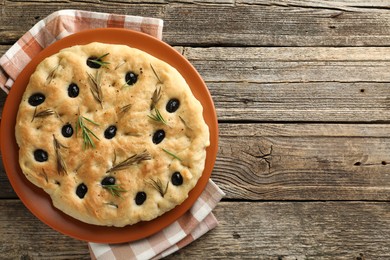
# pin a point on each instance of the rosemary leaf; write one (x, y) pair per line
(124, 109)
(104, 55)
(52, 74)
(114, 189)
(132, 134)
(61, 165)
(127, 83)
(158, 78)
(85, 132)
(159, 186)
(119, 65)
(88, 142)
(99, 60)
(155, 98)
(184, 122)
(134, 159)
(43, 113)
(91, 121)
(171, 154)
(157, 117)
(96, 88)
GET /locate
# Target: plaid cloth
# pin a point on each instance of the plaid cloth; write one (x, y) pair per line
(59, 25)
(193, 224)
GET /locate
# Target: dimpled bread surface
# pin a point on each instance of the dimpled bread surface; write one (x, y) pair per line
(114, 141)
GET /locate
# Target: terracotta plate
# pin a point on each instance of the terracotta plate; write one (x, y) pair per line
(39, 203)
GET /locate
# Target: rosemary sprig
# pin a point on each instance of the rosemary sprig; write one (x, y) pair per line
(159, 186)
(158, 78)
(86, 132)
(155, 98)
(171, 154)
(61, 165)
(52, 74)
(114, 189)
(99, 60)
(124, 109)
(96, 88)
(157, 117)
(43, 113)
(184, 122)
(134, 159)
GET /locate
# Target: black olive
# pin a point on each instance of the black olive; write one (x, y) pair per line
(41, 155)
(158, 136)
(73, 90)
(140, 198)
(67, 130)
(36, 99)
(81, 190)
(172, 105)
(177, 179)
(93, 62)
(131, 78)
(110, 132)
(109, 180)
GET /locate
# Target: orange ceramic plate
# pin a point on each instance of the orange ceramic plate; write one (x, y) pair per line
(39, 203)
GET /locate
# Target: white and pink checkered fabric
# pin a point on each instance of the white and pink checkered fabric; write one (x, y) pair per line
(59, 25)
(189, 227)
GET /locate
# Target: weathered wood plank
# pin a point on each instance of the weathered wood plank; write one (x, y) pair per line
(17, 17)
(304, 161)
(6, 190)
(301, 102)
(23, 236)
(349, 5)
(289, 64)
(299, 231)
(298, 162)
(295, 84)
(228, 23)
(261, 230)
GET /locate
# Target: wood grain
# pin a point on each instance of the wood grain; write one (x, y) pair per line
(25, 237)
(296, 84)
(327, 102)
(303, 161)
(301, 90)
(290, 84)
(228, 23)
(272, 230)
(319, 230)
(298, 162)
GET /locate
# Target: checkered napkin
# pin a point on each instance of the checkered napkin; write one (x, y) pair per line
(194, 223)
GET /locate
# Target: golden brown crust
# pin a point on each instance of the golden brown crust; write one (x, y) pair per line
(130, 109)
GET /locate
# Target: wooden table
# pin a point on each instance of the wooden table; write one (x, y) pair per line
(302, 92)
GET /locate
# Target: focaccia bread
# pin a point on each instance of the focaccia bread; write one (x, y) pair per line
(111, 133)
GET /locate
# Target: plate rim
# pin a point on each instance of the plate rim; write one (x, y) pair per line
(127, 233)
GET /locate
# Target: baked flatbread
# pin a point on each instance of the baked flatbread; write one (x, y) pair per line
(111, 133)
